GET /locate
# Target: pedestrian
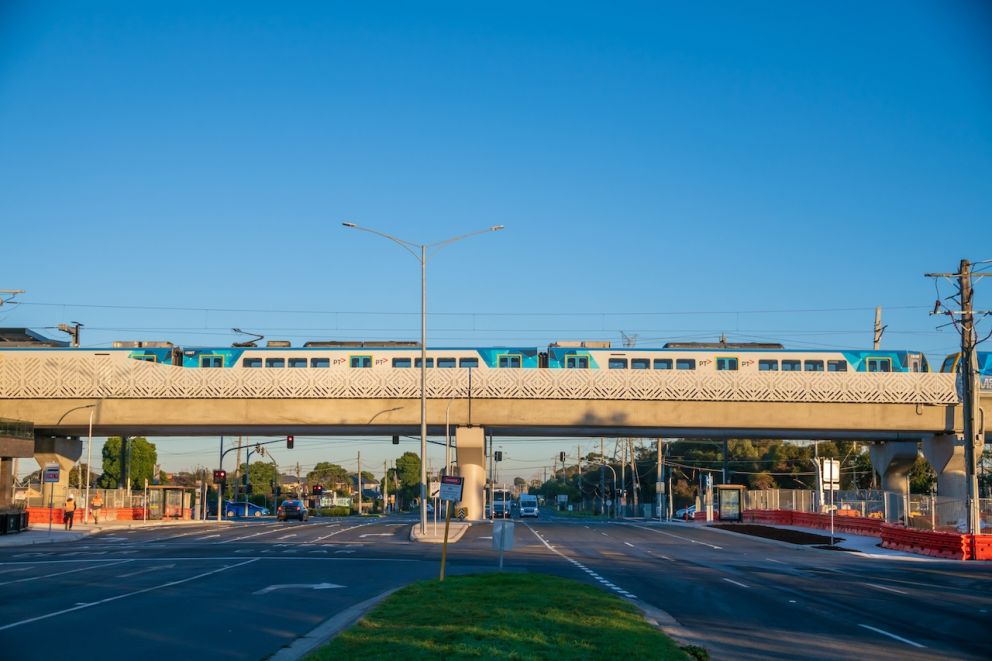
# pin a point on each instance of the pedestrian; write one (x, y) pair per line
(96, 504)
(70, 512)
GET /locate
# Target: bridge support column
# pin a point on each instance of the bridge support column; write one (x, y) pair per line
(893, 461)
(470, 453)
(62, 451)
(946, 454)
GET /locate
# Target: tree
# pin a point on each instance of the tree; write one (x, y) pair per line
(331, 477)
(261, 475)
(77, 476)
(142, 458)
(408, 472)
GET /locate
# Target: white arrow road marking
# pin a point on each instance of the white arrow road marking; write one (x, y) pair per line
(300, 586)
(146, 570)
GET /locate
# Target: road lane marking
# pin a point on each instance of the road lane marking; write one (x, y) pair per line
(300, 586)
(376, 534)
(684, 539)
(629, 544)
(200, 539)
(578, 564)
(778, 561)
(892, 635)
(882, 587)
(736, 583)
(145, 571)
(71, 571)
(123, 596)
(292, 534)
(13, 569)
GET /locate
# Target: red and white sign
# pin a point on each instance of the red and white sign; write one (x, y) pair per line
(451, 488)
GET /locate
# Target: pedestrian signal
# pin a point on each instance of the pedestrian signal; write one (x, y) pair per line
(220, 476)
(289, 442)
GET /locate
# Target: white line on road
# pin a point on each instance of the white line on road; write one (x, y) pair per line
(200, 539)
(578, 564)
(684, 539)
(736, 583)
(774, 560)
(882, 587)
(145, 571)
(292, 534)
(71, 571)
(376, 534)
(122, 596)
(300, 586)
(892, 635)
(629, 544)
(7, 571)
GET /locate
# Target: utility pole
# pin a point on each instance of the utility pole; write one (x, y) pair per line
(879, 328)
(635, 485)
(359, 483)
(659, 485)
(578, 477)
(602, 474)
(385, 487)
(237, 469)
(974, 434)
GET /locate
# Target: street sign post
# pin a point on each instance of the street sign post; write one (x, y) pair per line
(450, 492)
(50, 476)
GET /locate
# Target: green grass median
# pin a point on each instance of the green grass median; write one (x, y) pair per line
(501, 616)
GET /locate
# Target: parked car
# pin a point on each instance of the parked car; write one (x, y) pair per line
(686, 512)
(233, 508)
(292, 509)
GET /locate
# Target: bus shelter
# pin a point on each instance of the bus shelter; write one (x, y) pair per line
(169, 502)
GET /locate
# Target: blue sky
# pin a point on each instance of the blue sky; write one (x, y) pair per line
(768, 170)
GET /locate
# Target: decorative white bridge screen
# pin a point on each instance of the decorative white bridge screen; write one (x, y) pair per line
(84, 377)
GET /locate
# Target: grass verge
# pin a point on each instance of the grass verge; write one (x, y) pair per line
(501, 616)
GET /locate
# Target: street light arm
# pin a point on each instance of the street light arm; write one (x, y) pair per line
(409, 246)
(78, 408)
(435, 247)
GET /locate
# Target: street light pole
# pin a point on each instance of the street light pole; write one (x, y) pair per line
(422, 257)
(89, 454)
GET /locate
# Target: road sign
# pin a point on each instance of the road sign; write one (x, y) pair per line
(51, 473)
(451, 488)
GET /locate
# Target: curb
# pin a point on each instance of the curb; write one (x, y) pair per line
(328, 629)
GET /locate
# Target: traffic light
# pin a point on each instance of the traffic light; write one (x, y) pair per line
(499, 455)
(289, 442)
(561, 456)
(318, 489)
(396, 440)
(220, 476)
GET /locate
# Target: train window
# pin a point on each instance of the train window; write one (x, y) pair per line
(685, 364)
(275, 362)
(403, 362)
(360, 361)
(950, 363)
(468, 362)
(509, 360)
(297, 362)
(446, 362)
(836, 365)
(320, 362)
(663, 363)
(879, 364)
(814, 366)
(211, 361)
(639, 363)
(577, 362)
(618, 363)
(767, 365)
(791, 365)
(148, 358)
(430, 363)
(726, 364)
(251, 362)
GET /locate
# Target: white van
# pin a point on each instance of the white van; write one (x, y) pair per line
(528, 505)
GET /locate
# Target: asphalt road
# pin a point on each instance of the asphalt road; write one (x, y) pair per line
(248, 589)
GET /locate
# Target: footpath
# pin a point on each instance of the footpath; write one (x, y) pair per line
(38, 533)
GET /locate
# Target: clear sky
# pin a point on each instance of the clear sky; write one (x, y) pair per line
(769, 170)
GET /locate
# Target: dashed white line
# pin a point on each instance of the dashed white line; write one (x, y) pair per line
(736, 583)
(71, 571)
(882, 587)
(893, 636)
(629, 544)
(578, 564)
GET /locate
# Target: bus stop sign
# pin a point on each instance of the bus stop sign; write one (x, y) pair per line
(451, 488)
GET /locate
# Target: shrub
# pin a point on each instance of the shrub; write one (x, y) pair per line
(334, 511)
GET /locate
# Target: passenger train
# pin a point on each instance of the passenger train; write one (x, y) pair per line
(700, 357)
(720, 356)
